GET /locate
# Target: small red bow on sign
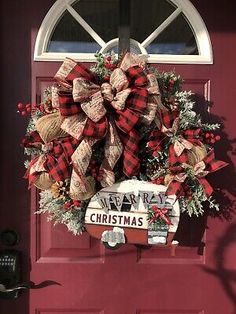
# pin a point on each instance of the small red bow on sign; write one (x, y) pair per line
(160, 213)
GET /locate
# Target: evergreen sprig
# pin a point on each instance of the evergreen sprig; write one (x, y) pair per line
(73, 219)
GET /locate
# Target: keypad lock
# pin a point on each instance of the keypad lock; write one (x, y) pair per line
(9, 272)
(8, 263)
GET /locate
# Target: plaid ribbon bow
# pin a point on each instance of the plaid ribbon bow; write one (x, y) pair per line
(98, 112)
(160, 213)
(56, 160)
(200, 170)
(180, 141)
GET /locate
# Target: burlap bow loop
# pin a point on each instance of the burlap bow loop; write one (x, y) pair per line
(172, 130)
(116, 91)
(130, 59)
(154, 106)
(71, 70)
(199, 169)
(119, 80)
(152, 85)
(83, 89)
(179, 142)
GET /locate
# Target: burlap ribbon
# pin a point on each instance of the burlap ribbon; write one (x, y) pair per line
(199, 171)
(49, 127)
(111, 110)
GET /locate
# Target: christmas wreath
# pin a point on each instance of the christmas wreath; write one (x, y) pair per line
(118, 119)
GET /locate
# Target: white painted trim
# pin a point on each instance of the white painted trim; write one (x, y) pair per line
(178, 59)
(198, 26)
(47, 27)
(86, 26)
(161, 28)
(199, 29)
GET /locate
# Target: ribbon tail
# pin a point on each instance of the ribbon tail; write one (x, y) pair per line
(113, 151)
(74, 125)
(206, 186)
(35, 167)
(167, 220)
(213, 164)
(131, 162)
(80, 161)
(153, 103)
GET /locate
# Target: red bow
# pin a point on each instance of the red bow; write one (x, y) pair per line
(160, 213)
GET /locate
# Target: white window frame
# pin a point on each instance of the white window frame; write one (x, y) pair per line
(198, 26)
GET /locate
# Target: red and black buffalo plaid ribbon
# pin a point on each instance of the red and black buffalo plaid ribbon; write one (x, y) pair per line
(160, 140)
(190, 135)
(157, 137)
(67, 105)
(178, 187)
(80, 70)
(32, 140)
(213, 164)
(96, 130)
(58, 161)
(58, 158)
(125, 120)
(168, 117)
(131, 164)
(136, 76)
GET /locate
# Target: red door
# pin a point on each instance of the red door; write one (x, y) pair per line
(81, 275)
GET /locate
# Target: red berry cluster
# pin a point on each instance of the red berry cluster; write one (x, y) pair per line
(95, 170)
(160, 180)
(106, 78)
(24, 110)
(71, 203)
(210, 138)
(108, 63)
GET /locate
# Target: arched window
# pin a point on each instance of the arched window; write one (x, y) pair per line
(169, 31)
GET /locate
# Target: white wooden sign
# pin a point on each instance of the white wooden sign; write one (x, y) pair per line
(125, 205)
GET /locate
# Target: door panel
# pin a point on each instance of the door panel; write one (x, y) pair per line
(54, 244)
